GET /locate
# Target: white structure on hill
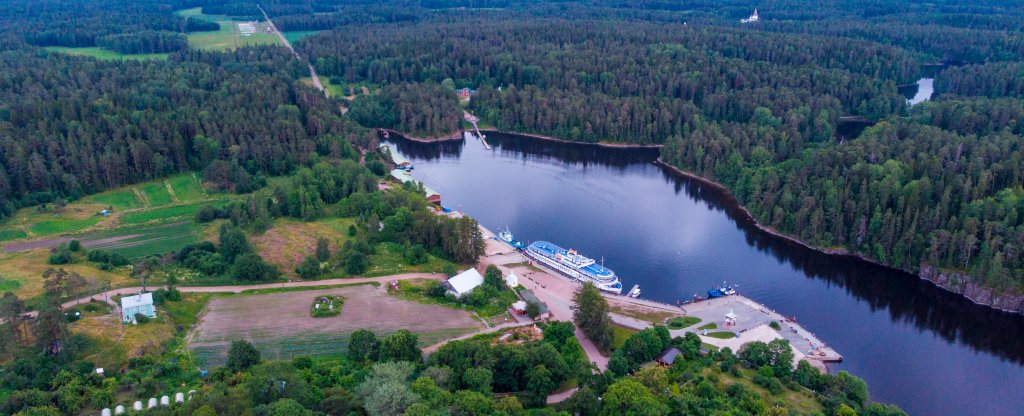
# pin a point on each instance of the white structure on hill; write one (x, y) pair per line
(133, 304)
(512, 280)
(464, 282)
(753, 18)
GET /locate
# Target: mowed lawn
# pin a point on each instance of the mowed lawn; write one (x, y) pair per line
(280, 325)
(106, 54)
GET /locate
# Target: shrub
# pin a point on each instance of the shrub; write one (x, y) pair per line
(141, 319)
(242, 355)
(74, 245)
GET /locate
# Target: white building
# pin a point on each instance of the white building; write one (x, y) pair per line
(512, 280)
(133, 304)
(464, 282)
(753, 18)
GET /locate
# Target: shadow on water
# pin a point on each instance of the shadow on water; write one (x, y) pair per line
(904, 297)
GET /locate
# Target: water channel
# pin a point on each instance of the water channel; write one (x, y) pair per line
(930, 352)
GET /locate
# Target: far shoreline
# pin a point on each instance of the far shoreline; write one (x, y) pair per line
(746, 215)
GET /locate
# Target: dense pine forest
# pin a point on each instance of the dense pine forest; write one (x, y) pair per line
(758, 107)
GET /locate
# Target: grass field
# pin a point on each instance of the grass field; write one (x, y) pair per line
(9, 285)
(294, 36)
(138, 241)
(280, 325)
(389, 259)
(289, 241)
(228, 37)
(801, 402)
(12, 234)
(621, 335)
(681, 322)
(414, 289)
(63, 225)
(79, 216)
(156, 194)
(171, 212)
(336, 91)
(120, 199)
(114, 343)
(26, 270)
(106, 54)
(722, 335)
(187, 187)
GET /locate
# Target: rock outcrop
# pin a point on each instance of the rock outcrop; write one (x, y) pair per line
(966, 286)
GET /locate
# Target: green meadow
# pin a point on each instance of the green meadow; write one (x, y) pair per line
(106, 54)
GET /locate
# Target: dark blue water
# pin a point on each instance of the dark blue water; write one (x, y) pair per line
(928, 351)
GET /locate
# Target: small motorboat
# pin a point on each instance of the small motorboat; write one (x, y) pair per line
(635, 293)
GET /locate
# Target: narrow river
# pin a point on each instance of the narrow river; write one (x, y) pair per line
(930, 352)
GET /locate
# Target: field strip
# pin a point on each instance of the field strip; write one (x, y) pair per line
(141, 196)
(170, 191)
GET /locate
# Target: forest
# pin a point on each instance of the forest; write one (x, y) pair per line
(757, 107)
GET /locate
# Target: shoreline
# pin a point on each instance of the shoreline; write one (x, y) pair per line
(450, 137)
(940, 277)
(829, 251)
(555, 139)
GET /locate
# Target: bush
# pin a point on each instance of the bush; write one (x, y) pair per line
(250, 266)
(141, 319)
(60, 254)
(309, 268)
(74, 245)
(242, 355)
(207, 213)
(415, 254)
(775, 325)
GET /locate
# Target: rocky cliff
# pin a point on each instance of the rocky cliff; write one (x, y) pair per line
(966, 285)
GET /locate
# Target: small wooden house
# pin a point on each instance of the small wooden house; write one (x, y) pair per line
(137, 304)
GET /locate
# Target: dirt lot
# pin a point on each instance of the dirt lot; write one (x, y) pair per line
(280, 326)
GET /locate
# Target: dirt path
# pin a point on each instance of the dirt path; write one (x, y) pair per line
(431, 348)
(312, 71)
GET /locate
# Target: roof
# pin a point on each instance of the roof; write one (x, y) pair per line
(731, 314)
(519, 305)
(512, 279)
(465, 282)
(669, 355)
(134, 301)
(529, 297)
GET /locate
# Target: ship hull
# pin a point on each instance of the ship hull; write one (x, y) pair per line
(613, 286)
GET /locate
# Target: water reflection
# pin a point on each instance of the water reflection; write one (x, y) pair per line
(674, 235)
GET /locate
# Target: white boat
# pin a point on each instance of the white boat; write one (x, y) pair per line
(635, 293)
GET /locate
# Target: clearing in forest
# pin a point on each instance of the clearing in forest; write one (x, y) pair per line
(229, 37)
(279, 324)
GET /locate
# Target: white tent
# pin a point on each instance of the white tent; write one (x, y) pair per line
(464, 282)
